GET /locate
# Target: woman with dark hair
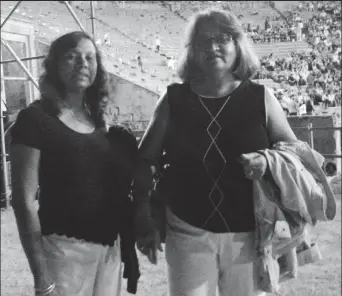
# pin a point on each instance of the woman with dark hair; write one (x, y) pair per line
(84, 173)
(209, 130)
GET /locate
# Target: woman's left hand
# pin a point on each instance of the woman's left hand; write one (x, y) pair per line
(254, 165)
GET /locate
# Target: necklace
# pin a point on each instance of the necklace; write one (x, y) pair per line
(227, 98)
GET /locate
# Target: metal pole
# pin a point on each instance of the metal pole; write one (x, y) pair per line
(310, 130)
(20, 62)
(14, 78)
(9, 15)
(92, 19)
(23, 59)
(5, 191)
(74, 16)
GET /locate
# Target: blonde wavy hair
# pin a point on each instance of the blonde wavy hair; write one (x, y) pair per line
(247, 62)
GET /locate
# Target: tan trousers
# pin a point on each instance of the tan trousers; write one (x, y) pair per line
(81, 268)
(202, 263)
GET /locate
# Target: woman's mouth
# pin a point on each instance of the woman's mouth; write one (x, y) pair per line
(213, 57)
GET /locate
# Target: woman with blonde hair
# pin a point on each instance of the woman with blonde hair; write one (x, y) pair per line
(208, 130)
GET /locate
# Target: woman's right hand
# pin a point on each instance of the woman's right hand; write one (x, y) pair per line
(149, 244)
(147, 236)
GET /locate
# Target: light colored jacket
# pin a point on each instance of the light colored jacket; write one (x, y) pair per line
(293, 194)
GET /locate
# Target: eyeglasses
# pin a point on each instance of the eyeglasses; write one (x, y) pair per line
(222, 39)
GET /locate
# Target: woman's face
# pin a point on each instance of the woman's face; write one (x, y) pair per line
(77, 68)
(214, 50)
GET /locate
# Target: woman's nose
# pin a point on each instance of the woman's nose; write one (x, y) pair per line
(213, 46)
(82, 61)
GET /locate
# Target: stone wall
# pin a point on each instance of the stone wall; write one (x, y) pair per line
(129, 103)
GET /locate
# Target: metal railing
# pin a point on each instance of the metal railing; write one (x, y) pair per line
(5, 191)
(311, 129)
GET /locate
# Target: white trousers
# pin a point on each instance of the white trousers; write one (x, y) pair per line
(81, 268)
(202, 263)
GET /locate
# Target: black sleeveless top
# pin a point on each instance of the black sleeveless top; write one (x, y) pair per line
(84, 179)
(203, 182)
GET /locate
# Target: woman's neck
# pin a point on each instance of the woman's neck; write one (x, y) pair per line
(218, 86)
(75, 101)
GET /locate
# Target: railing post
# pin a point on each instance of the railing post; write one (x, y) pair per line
(311, 137)
(21, 64)
(5, 191)
(92, 19)
(74, 16)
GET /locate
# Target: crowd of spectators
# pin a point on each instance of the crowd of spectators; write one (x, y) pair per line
(308, 79)
(313, 78)
(280, 32)
(325, 27)
(279, 26)
(290, 26)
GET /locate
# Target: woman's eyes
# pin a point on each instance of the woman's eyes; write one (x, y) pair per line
(70, 56)
(73, 56)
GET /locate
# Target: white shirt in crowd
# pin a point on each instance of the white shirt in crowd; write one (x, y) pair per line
(335, 57)
(172, 63)
(319, 90)
(295, 76)
(331, 97)
(304, 73)
(302, 109)
(300, 98)
(328, 42)
(272, 62)
(106, 39)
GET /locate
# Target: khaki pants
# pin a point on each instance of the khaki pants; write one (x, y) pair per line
(81, 268)
(202, 263)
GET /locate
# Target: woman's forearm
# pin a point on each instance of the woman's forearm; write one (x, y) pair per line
(150, 149)
(142, 186)
(31, 240)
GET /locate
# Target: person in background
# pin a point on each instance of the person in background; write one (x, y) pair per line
(325, 100)
(157, 42)
(301, 108)
(106, 40)
(140, 64)
(204, 136)
(60, 144)
(331, 98)
(309, 107)
(172, 63)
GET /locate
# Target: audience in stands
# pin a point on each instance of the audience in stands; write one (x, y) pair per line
(316, 74)
(310, 78)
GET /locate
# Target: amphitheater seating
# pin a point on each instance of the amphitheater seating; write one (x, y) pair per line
(280, 49)
(47, 17)
(143, 24)
(267, 82)
(130, 29)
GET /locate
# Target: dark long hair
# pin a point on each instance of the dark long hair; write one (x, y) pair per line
(52, 89)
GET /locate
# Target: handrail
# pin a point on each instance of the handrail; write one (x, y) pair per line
(317, 128)
(310, 129)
